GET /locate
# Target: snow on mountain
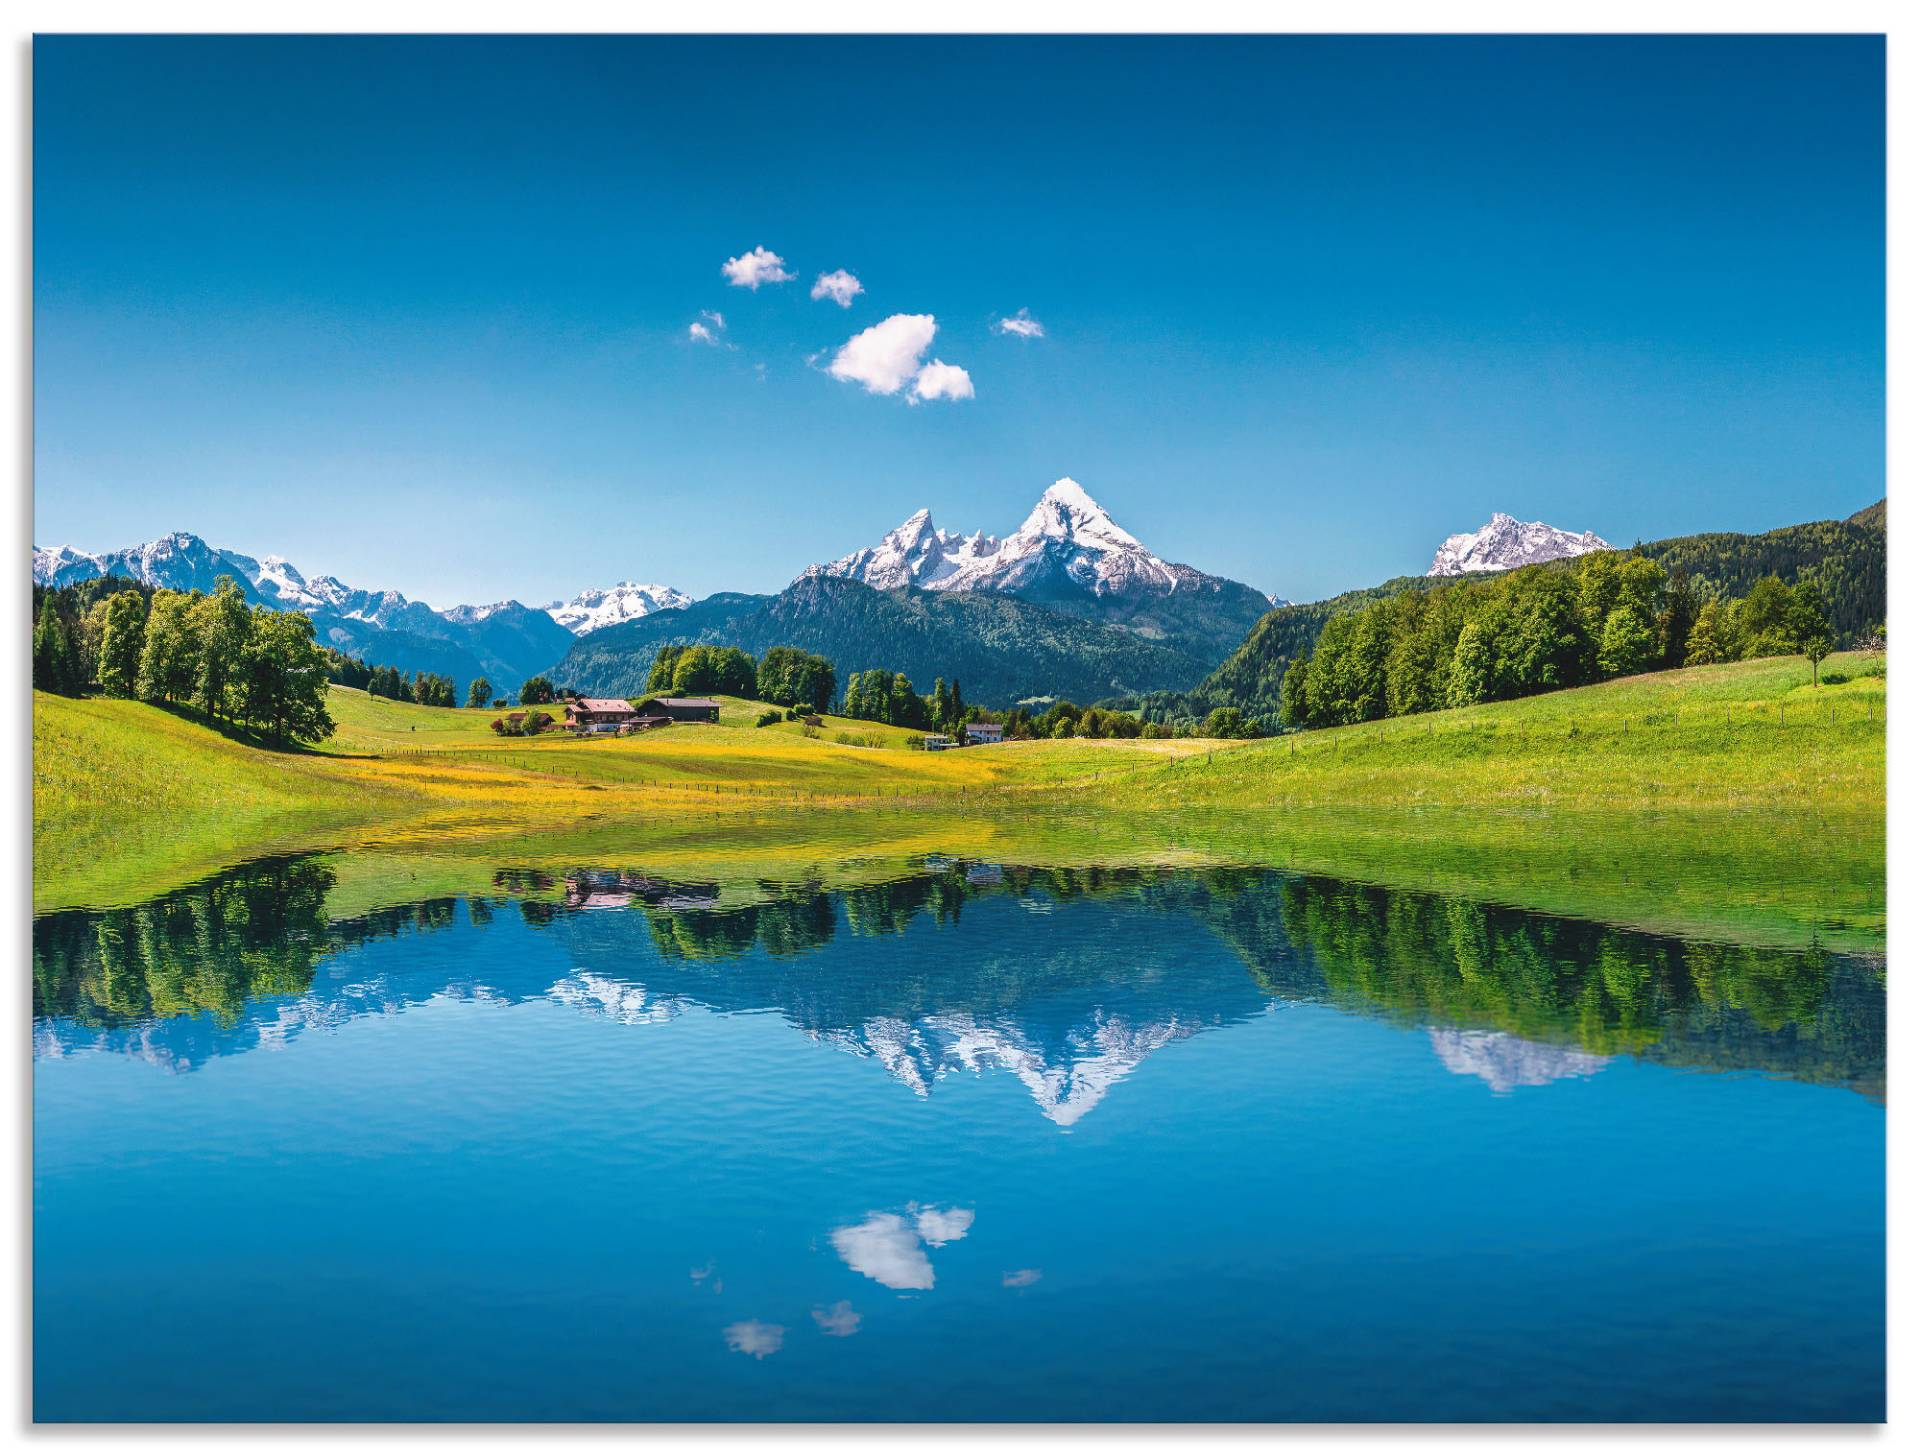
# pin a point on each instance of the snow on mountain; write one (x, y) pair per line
(1066, 1082)
(184, 562)
(1066, 536)
(1504, 1061)
(62, 566)
(913, 553)
(623, 602)
(1504, 542)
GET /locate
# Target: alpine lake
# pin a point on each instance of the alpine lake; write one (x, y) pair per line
(948, 1136)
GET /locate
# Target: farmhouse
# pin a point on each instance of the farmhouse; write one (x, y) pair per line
(683, 710)
(939, 743)
(599, 715)
(983, 732)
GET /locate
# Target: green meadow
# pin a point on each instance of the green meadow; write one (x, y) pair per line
(1739, 800)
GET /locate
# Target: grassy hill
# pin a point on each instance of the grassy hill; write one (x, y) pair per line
(1737, 799)
(1740, 735)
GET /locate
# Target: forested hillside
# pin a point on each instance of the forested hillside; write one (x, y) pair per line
(1001, 649)
(1846, 559)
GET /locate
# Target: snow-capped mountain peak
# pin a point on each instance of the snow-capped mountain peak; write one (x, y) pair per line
(622, 602)
(1067, 542)
(1504, 543)
(1065, 512)
(914, 553)
(279, 579)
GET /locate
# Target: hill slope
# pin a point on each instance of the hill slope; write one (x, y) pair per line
(1000, 649)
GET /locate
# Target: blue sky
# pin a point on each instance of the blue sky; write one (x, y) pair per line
(416, 312)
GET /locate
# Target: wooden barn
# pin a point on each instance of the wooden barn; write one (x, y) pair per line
(683, 710)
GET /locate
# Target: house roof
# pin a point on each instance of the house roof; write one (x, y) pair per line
(686, 702)
(603, 705)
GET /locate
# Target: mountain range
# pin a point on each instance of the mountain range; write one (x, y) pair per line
(1071, 556)
(1068, 605)
(504, 642)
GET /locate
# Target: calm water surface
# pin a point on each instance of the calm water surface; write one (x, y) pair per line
(973, 1143)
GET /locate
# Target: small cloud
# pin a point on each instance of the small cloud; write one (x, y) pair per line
(1019, 1278)
(709, 329)
(944, 1225)
(755, 1338)
(892, 1251)
(839, 285)
(941, 381)
(884, 357)
(750, 270)
(1023, 324)
(701, 1275)
(837, 1319)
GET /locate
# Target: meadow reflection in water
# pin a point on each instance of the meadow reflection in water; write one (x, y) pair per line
(962, 1141)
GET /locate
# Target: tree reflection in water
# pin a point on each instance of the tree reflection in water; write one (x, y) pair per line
(1063, 1001)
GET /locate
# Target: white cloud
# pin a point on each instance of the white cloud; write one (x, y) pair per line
(1020, 1279)
(886, 356)
(708, 328)
(887, 1250)
(1024, 324)
(750, 270)
(941, 381)
(837, 1319)
(755, 1338)
(839, 285)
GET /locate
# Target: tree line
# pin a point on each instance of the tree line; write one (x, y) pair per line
(248, 667)
(785, 675)
(428, 689)
(1068, 720)
(1537, 629)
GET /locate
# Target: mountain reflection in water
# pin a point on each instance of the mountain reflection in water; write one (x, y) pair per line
(947, 969)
